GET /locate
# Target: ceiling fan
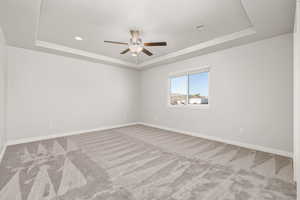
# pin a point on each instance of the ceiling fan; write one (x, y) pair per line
(136, 45)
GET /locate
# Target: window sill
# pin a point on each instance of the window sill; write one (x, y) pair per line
(196, 107)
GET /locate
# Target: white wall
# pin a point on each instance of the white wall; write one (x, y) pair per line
(2, 88)
(251, 88)
(50, 94)
(297, 96)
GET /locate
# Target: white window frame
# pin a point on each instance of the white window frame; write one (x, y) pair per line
(186, 73)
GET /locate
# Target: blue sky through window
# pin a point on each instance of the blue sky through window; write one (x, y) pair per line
(198, 84)
(178, 85)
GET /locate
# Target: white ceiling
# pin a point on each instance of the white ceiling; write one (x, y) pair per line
(51, 25)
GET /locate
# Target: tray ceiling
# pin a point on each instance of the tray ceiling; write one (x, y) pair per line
(51, 25)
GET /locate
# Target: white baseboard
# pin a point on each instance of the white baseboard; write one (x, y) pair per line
(241, 144)
(52, 136)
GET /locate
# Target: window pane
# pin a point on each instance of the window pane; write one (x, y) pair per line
(198, 88)
(178, 90)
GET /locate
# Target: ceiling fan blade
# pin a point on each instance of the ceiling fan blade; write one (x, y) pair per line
(113, 42)
(125, 51)
(145, 51)
(151, 44)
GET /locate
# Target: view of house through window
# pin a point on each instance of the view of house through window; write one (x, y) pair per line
(189, 88)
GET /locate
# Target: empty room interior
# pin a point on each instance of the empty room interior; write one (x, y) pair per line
(149, 100)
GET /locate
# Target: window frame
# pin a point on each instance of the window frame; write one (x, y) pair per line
(187, 73)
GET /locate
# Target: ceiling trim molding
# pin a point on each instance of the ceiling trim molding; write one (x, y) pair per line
(87, 54)
(201, 46)
(107, 59)
(62, 48)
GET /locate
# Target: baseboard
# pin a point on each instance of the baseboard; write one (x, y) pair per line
(47, 137)
(2, 152)
(241, 144)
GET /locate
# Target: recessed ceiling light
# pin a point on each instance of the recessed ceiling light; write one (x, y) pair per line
(200, 27)
(78, 38)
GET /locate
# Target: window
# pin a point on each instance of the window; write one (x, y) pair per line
(189, 88)
(178, 90)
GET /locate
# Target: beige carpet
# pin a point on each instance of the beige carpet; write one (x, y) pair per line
(142, 163)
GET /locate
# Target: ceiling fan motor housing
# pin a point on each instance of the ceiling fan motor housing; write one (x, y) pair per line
(136, 45)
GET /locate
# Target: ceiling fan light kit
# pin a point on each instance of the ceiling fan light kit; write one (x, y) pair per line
(136, 45)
